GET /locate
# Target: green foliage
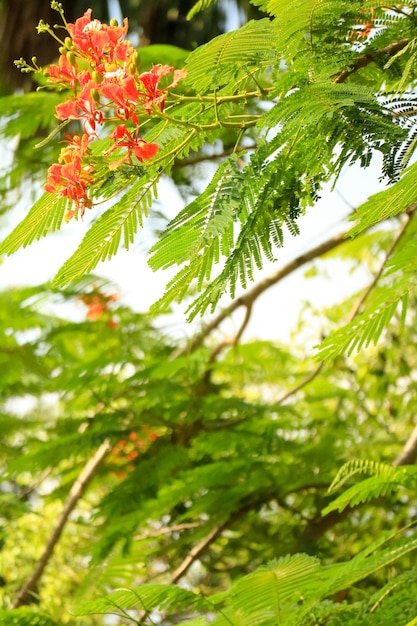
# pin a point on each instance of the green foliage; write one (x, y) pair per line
(146, 598)
(46, 216)
(285, 591)
(384, 479)
(201, 5)
(221, 458)
(23, 617)
(193, 456)
(387, 204)
(229, 59)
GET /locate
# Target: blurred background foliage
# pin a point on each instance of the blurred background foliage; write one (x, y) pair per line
(210, 474)
(196, 445)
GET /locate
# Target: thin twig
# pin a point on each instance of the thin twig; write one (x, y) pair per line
(28, 589)
(33, 487)
(358, 304)
(355, 309)
(306, 381)
(166, 531)
(211, 157)
(200, 547)
(233, 341)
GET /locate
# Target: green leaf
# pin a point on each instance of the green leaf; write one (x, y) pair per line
(400, 197)
(148, 598)
(228, 58)
(46, 216)
(384, 479)
(164, 54)
(200, 5)
(268, 595)
(117, 226)
(25, 617)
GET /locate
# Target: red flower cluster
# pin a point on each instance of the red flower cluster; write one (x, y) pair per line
(364, 30)
(100, 68)
(98, 303)
(127, 450)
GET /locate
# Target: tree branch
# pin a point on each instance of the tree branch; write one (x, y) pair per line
(358, 304)
(356, 308)
(250, 296)
(196, 550)
(166, 530)
(408, 454)
(233, 341)
(29, 587)
(306, 381)
(211, 157)
(370, 57)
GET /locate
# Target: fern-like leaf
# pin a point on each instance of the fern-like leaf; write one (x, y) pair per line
(25, 617)
(199, 6)
(228, 58)
(46, 216)
(201, 232)
(145, 598)
(24, 114)
(117, 225)
(381, 206)
(268, 595)
(383, 480)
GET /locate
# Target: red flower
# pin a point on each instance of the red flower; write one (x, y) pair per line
(70, 181)
(95, 309)
(120, 88)
(140, 148)
(82, 108)
(110, 81)
(364, 30)
(97, 304)
(150, 80)
(70, 177)
(64, 72)
(97, 40)
(89, 36)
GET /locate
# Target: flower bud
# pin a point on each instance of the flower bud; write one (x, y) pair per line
(71, 58)
(136, 59)
(110, 67)
(134, 63)
(97, 77)
(95, 95)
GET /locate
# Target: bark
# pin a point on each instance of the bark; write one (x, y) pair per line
(29, 588)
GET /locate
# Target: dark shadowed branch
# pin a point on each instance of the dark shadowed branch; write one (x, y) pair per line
(371, 57)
